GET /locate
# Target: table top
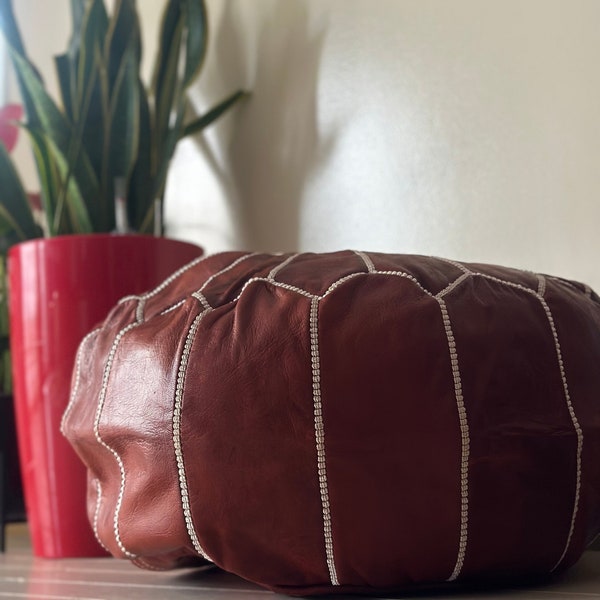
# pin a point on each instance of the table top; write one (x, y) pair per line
(22, 576)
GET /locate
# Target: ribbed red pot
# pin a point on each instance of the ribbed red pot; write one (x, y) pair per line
(59, 289)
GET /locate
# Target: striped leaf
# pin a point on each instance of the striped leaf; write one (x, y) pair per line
(15, 212)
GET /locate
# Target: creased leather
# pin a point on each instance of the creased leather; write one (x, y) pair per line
(345, 422)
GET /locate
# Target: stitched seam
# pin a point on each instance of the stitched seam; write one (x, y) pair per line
(336, 284)
(512, 284)
(177, 274)
(330, 289)
(139, 310)
(174, 307)
(573, 416)
(77, 379)
(167, 281)
(541, 285)
(320, 439)
(202, 299)
(285, 286)
(405, 276)
(99, 439)
(576, 426)
(452, 286)
(465, 441)
(455, 263)
(97, 514)
(178, 405)
(234, 264)
(281, 266)
(366, 259)
(170, 279)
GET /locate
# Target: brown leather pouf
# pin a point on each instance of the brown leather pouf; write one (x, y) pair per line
(345, 422)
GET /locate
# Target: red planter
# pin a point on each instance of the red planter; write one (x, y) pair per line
(59, 289)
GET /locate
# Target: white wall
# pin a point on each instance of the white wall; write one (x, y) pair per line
(465, 128)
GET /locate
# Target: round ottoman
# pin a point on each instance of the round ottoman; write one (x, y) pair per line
(348, 422)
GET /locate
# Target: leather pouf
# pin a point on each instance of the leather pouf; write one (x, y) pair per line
(345, 422)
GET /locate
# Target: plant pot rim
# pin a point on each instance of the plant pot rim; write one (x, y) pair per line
(75, 238)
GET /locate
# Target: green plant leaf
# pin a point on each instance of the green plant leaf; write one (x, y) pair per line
(168, 108)
(169, 144)
(64, 70)
(90, 106)
(57, 129)
(123, 34)
(63, 204)
(77, 15)
(71, 200)
(124, 119)
(15, 212)
(8, 23)
(90, 128)
(196, 38)
(94, 28)
(140, 193)
(10, 30)
(170, 19)
(43, 109)
(66, 64)
(49, 180)
(213, 114)
(111, 125)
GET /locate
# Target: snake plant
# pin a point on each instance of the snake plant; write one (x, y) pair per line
(109, 134)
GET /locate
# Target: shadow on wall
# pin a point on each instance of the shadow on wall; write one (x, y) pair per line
(276, 146)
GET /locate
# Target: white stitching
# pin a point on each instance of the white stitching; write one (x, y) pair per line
(451, 286)
(167, 281)
(342, 280)
(170, 279)
(366, 259)
(541, 285)
(465, 441)
(139, 311)
(234, 264)
(455, 263)
(512, 284)
(320, 438)
(99, 439)
(97, 514)
(281, 266)
(178, 273)
(405, 276)
(202, 299)
(401, 274)
(183, 487)
(285, 286)
(576, 426)
(174, 307)
(77, 378)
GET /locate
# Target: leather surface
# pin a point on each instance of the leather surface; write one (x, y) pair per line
(345, 422)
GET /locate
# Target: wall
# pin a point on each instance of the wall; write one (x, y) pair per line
(468, 128)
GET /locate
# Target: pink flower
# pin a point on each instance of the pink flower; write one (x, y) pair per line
(8, 130)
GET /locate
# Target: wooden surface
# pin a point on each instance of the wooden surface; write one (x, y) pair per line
(22, 576)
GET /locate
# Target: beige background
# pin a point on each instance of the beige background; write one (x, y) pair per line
(465, 128)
